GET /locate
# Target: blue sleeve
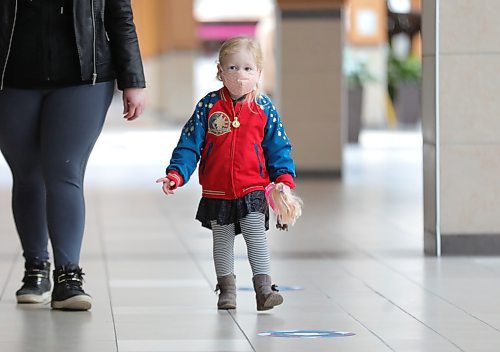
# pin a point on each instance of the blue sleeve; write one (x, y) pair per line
(187, 153)
(276, 145)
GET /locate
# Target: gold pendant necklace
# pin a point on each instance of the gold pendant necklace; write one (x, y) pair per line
(236, 123)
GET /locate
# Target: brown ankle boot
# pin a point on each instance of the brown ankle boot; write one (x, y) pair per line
(266, 294)
(227, 296)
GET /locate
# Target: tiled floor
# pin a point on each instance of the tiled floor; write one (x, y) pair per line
(353, 263)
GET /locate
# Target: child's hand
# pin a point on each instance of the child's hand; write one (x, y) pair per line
(171, 181)
(168, 185)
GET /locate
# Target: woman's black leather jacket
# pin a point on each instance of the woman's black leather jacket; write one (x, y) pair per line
(106, 40)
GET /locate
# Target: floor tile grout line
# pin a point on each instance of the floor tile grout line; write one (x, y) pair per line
(421, 286)
(366, 327)
(395, 305)
(354, 318)
(189, 252)
(414, 317)
(105, 262)
(242, 331)
(355, 248)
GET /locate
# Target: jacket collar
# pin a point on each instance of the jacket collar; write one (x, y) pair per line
(226, 96)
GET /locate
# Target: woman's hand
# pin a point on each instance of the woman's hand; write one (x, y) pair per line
(134, 102)
(168, 185)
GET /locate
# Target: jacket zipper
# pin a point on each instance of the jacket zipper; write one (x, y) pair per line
(233, 146)
(10, 45)
(94, 75)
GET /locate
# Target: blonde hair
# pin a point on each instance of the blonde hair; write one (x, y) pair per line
(286, 205)
(232, 46)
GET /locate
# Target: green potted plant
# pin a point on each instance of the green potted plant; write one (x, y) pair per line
(404, 77)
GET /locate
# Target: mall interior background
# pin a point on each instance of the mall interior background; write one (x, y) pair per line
(411, 57)
(358, 259)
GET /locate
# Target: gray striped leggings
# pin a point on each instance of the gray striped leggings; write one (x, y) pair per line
(254, 233)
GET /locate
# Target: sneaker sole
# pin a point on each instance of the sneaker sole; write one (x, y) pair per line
(31, 298)
(80, 302)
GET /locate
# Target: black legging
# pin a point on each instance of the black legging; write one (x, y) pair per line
(46, 136)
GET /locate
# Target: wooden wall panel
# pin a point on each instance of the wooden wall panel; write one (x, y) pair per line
(416, 5)
(164, 25)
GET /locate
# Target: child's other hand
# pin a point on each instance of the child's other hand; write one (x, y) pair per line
(171, 181)
(168, 185)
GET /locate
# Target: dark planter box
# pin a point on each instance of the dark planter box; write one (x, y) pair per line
(355, 99)
(407, 102)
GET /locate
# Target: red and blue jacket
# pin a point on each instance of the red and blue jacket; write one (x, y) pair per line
(238, 158)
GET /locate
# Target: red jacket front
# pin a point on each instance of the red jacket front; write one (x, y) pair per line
(236, 157)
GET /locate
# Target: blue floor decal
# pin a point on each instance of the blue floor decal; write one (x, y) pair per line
(308, 334)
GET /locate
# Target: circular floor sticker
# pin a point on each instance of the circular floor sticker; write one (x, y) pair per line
(308, 334)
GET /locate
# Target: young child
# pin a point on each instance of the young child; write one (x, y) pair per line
(240, 139)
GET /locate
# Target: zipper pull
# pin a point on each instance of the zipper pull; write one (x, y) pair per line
(62, 9)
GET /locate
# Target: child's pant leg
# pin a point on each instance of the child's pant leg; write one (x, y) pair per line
(254, 232)
(223, 248)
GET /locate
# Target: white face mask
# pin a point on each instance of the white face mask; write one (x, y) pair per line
(240, 82)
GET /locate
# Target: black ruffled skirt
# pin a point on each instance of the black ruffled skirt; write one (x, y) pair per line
(227, 212)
